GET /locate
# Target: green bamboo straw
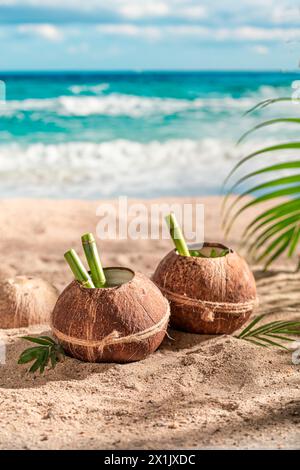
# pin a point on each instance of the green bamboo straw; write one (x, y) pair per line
(92, 256)
(79, 271)
(177, 236)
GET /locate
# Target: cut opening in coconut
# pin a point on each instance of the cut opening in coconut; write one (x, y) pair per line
(116, 277)
(118, 324)
(208, 250)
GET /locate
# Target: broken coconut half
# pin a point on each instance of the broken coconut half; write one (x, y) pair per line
(25, 301)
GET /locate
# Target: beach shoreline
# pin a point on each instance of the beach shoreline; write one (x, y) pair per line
(194, 392)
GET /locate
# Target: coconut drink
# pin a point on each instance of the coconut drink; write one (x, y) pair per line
(211, 288)
(123, 319)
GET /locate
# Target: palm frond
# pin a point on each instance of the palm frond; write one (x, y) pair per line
(269, 215)
(272, 148)
(258, 200)
(269, 123)
(266, 234)
(275, 230)
(264, 335)
(268, 102)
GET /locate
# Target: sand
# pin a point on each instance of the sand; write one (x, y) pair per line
(194, 392)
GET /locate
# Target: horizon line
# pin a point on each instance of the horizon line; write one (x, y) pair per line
(137, 71)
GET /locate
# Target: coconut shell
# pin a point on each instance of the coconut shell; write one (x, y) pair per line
(207, 295)
(26, 301)
(83, 319)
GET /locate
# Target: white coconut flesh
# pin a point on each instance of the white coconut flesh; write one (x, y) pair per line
(117, 276)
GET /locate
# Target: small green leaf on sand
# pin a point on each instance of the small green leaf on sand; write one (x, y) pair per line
(263, 335)
(48, 350)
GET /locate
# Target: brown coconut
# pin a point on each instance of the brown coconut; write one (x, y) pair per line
(25, 301)
(121, 323)
(207, 295)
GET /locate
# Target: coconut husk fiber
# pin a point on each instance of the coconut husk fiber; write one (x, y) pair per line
(122, 323)
(207, 295)
(194, 392)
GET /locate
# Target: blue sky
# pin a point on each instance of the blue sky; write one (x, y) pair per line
(149, 34)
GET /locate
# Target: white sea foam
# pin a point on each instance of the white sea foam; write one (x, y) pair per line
(96, 89)
(118, 104)
(108, 169)
(114, 104)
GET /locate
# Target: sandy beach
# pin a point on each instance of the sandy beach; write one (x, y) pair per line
(194, 392)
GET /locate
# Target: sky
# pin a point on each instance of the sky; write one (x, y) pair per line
(149, 34)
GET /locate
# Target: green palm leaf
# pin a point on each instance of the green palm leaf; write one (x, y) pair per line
(269, 123)
(47, 351)
(268, 102)
(277, 212)
(272, 148)
(277, 182)
(275, 230)
(259, 200)
(264, 335)
(283, 241)
(263, 236)
(278, 166)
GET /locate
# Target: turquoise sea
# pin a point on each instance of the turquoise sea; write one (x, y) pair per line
(141, 134)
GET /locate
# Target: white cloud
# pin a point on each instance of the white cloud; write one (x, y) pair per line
(45, 31)
(261, 50)
(244, 33)
(137, 10)
(252, 33)
(193, 12)
(286, 14)
(132, 30)
(231, 12)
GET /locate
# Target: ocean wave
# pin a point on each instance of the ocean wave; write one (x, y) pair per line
(118, 104)
(96, 89)
(90, 170)
(114, 104)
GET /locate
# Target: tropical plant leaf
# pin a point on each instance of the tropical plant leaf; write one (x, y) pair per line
(268, 123)
(263, 335)
(35, 366)
(264, 219)
(28, 355)
(281, 224)
(294, 241)
(47, 351)
(283, 241)
(248, 328)
(286, 180)
(268, 102)
(276, 230)
(272, 148)
(47, 338)
(278, 166)
(289, 191)
(44, 340)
